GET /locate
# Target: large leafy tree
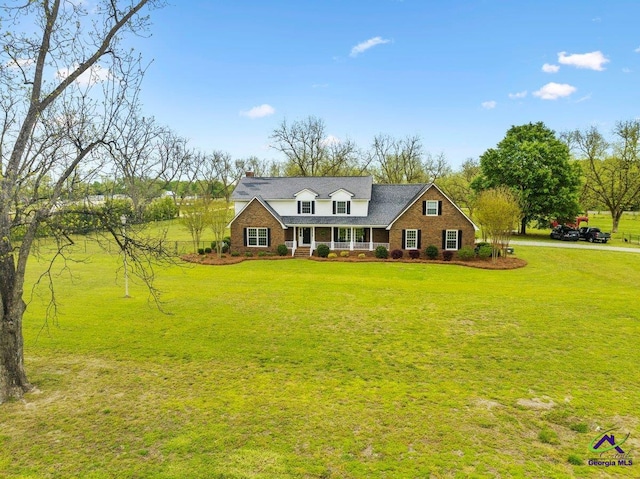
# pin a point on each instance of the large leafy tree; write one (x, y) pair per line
(65, 80)
(611, 168)
(535, 164)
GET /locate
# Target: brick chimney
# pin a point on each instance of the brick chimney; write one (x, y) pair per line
(249, 174)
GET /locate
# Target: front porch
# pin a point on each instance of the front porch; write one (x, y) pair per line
(337, 238)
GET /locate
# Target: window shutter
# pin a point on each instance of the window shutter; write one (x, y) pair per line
(244, 235)
(404, 239)
(419, 239)
(439, 208)
(348, 207)
(334, 207)
(268, 236)
(313, 207)
(424, 208)
(299, 207)
(459, 239)
(444, 240)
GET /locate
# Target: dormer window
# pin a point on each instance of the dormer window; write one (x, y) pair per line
(306, 207)
(342, 207)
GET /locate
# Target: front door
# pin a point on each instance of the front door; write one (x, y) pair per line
(305, 236)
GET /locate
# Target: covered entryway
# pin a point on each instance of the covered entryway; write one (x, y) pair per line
(304, 236)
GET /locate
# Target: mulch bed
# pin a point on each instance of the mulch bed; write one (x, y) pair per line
(501, 264)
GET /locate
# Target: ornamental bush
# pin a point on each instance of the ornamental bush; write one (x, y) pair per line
(382, 252)
(466, 253)
(362, 255)
(447, 255)
(332, 255)
(431, 252)
(414, 253)
(207, 250)
(484, 251)
(200, 250)
(323, 250)
(282, 250)
(344, 254)
(396, 254)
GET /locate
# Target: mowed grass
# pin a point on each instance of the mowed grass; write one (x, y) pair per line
(303, 369)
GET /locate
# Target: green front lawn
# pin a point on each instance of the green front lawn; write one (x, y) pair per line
(296, 368)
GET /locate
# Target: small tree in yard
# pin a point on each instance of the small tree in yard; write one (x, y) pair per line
(220, 216)
(498, 212)
(195, 217)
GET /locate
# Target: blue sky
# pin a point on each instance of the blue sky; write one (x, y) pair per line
(458, 73)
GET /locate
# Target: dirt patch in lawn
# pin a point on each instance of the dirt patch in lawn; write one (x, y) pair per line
(509, 262)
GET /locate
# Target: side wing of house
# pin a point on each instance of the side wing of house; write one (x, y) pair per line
(431, 219)
(257, 228)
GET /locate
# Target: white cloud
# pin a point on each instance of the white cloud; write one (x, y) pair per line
(626, 70)
(259, 111)
(93, 75)
(549, 68)
(331, 140)
(489, 105)
(637, 50)
(364, 46)
(553, 91)
(590, 61)
(20, 63)
(520, 94)
(584, 98)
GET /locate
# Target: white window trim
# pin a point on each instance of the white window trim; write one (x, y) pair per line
(431, 202)
(302, 205)
(414, 239)
(448, 239)
(343, 202)
(257, 237)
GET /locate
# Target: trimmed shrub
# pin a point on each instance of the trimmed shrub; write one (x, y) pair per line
(447, 255)
(414, 253)
(200, 250)
(207, 250)
(466, 253)
(431, 252)
(323, 250)
(282, 250)
(484, 251)
(344, 254)
(362, 255)
(235, 254)
(382, 252)
(248, 254)
(262, 254)
(396, 254)
(332, 255)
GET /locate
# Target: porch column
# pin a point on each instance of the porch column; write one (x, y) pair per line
(371, 238)
(351, 236)
(295, 237)
(333, 246)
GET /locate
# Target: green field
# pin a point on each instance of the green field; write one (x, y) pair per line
(303, 369)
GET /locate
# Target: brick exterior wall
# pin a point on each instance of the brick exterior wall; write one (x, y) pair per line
(256, 216)
(431, 226)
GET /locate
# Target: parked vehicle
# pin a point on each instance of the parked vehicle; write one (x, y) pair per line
(593, 235)
(564, 233)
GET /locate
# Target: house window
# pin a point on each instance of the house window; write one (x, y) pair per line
(341, 207)
(306, 207)
(411, 239)
(359, 235)
(451, 240)
(344, 234)
(431, 208)
(257, 237)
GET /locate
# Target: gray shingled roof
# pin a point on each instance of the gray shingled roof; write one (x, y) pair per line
(285, 188)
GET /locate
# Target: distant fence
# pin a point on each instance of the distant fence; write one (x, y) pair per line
(178, 248)
(630, 238)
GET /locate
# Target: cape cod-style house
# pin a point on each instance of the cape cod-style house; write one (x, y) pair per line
(345, 213)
